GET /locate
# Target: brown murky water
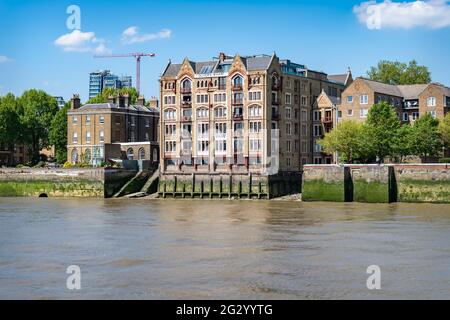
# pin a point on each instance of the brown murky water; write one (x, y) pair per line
(166, 249)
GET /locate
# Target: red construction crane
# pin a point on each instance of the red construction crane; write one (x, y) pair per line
(138, 57)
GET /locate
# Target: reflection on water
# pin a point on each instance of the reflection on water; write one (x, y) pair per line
(152, 249)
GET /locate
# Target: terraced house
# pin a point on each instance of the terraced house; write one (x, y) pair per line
(239, 115)
(117, 129)
(410, 101)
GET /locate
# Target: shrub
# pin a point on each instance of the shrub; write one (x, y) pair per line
(444, 160)
(67, 164)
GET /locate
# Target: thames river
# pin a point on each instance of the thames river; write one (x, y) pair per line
(222, 249)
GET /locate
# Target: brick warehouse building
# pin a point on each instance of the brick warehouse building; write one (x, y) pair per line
(222, 116)
(117, 129)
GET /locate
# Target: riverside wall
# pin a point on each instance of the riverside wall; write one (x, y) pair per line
(377, 183)
(86, 182)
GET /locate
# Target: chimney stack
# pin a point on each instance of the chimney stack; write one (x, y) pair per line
(75, 101)
(126, 100)
(153, 103)
(141, 101)
(121, 101)
(222, 56)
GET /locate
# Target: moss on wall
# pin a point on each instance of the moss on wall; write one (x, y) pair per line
(35, 188)
(319, 190)
(370, 192)
(411, 190)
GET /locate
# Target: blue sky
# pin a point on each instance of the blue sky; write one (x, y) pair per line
(325, 35)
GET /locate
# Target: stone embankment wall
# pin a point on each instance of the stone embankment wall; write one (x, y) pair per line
(100, 183)
(377, 183)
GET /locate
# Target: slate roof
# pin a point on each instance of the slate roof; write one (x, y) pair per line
(383, 88)
(252, 63)
(340, 78)
(412, 92)
(113, 106)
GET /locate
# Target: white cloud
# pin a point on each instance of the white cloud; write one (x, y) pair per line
(131, 35)
(432, 14)
(4, 59)
(78, 41)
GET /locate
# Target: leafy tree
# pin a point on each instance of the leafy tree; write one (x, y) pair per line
(37, 110)
(403, 142)
(395, 72)
(444, 130)
(346, 139)
(10, 131)
(103, 97)
(426, 137)
(381, 127)
(58, 134)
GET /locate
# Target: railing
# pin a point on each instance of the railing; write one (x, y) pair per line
(236, 102)
(236, 87)
(276, 86)
(222, 87)
(327, 120)
(276, 101)
(238, 117)
(186, 90)
(275, 116)
(186, 104)
(186, 119)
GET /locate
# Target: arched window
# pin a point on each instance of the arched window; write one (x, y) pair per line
(220, 112)
(141, 154)
(186, 85)
(170, 114)
(254, 111)
(74, 156)
(130, 154)
(238, 82)
(202, 113)
(87, 156)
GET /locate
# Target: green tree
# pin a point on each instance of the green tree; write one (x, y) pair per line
(103, 97)
(444, 130)
(403, 142)
(346, 139)
(37, 110)
(381, 128)
(426, 138)
(58, 133)
(395, 72)
(10, 130)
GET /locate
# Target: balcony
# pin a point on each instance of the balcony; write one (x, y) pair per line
(236, 87)
(276, 101)
(186, 118)
(238, 117)
(186, 90)
(276, 86)
(276, 116)
(237, 102)
(186, 104)
(327, 120)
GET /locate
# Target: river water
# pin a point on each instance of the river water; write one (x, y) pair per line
(221, 249)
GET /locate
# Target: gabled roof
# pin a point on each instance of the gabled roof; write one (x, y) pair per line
(252, 63)
(383, 88)
(412, 92)
(341, 78)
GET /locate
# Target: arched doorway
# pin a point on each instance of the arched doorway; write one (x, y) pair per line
(141, 154)
(130, 154)
(74, 156)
